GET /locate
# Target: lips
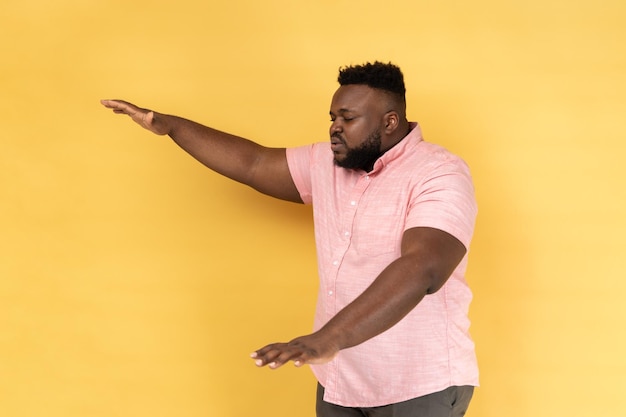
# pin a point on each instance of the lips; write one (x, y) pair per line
(335, 146)
(336, 142)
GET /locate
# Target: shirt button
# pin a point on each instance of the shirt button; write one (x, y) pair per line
(346, 233)
(330, 292)
(335, 263)
(353, 203)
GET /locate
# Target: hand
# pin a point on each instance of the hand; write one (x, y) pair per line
(143, 117)
(311, 349)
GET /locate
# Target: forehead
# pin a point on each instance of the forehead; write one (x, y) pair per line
(356, 97)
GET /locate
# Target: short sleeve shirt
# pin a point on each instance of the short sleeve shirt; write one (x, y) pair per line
(359, 220)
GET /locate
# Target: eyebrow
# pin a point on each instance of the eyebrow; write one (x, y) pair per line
(342, 110)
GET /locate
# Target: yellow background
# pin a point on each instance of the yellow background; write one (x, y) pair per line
(134, 282)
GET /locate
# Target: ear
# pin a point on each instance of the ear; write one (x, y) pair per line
(392, 121)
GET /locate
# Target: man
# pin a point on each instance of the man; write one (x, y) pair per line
(394, 216)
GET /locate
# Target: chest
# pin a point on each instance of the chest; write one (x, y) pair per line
(368, 214)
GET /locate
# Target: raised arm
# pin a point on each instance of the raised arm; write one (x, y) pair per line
(429, 256)
(262, 168)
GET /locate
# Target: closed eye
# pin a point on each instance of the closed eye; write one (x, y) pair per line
(345, 119)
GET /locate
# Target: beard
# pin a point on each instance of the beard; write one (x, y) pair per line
(365, 155)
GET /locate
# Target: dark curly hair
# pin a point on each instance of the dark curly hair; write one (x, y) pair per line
(386, 77)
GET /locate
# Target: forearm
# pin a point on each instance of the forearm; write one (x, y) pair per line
(429, 256)
(262, 168)
(394, 293)
(391, 296)
(226, 154)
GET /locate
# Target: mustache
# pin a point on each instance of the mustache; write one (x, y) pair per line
(337, 136)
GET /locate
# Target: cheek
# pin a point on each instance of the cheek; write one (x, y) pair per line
(355, 135)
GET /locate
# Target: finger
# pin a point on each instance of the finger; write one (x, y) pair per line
(300, 361)
(120, 106)
(148, 118)
(283, 359)
(267, 348)
(106, 103)
(269, 356)
(276, 355)
(112, 104)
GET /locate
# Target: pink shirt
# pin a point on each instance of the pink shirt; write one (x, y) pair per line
(359, 221)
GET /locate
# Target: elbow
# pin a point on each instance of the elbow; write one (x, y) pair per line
(435, 276)
(436, 280)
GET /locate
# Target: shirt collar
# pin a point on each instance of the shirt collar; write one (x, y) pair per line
(411, 139)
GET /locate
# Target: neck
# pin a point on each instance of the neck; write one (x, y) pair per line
(400, 133)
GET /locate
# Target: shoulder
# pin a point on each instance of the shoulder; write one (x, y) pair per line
(311, 154)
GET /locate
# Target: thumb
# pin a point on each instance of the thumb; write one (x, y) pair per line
(155, 122)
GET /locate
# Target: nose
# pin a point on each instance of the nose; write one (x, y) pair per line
(335, 127)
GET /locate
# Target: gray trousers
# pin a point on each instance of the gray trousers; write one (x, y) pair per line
(451, 402)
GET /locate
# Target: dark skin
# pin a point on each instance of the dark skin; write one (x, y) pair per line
(428, 256)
